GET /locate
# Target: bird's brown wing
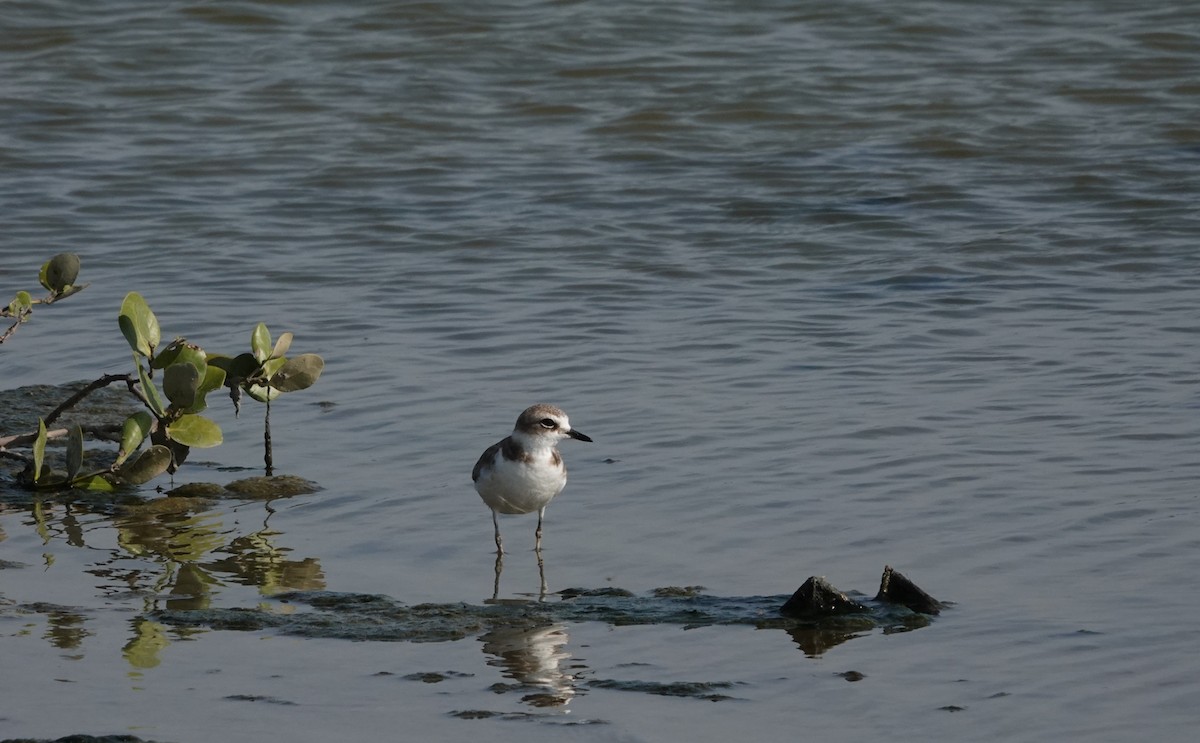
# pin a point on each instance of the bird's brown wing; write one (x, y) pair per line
(485, 459)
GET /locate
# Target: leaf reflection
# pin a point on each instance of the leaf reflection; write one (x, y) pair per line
(173, 552)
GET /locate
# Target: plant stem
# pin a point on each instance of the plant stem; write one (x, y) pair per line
(267, 458)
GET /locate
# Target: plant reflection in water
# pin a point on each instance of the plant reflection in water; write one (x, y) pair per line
(173, 552)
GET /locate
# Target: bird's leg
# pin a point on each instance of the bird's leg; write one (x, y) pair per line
(542, 575)
(499, 569)
(499, 541)
(537, 535)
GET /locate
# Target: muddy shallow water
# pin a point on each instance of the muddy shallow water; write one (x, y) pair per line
(830, 286)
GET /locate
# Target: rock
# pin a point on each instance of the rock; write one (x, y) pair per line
(818, 598)
(894, 588)
(269, 488)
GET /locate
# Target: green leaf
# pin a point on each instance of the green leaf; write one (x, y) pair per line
(39, 451)
(180, 382)
(298, 373)
(74, 451)
(73, 289)
(134, 431)
(181, 352)
(59, 272)
(270, 366)
(152, 396)
(139, 325)
(261, 393)
(236, 369)
(168, 355)
(23, 302)
(149, 465)
(194, 355)
(281, 346)
(260, 342)
(214, 377)
(195, 431)
(96, 483)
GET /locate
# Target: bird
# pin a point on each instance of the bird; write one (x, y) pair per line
(523, 472)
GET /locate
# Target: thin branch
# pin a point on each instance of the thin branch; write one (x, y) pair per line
(4, 454)
(21, 317)
(104, 381)
(25, 313)
(27, 439)
(107, 432)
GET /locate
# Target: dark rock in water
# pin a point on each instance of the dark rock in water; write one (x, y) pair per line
(694, 689)
(677, 592)
(818, 598)
(436, 677)
(269, 488)
(573, 593)
(259, 698)
(475, 714)
(198, 490)
(894, 588)
(817, 616)
(250, 488)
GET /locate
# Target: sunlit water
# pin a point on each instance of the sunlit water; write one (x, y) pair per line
(830, 285)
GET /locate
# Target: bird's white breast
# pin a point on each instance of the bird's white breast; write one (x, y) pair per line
(522, 486)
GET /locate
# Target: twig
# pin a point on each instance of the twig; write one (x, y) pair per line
(107, 432)
(21, 316)
(104, 381)
(26, 439)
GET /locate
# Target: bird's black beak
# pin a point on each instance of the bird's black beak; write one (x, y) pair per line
(577, 435)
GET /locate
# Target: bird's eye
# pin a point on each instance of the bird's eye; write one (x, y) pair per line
(547, 423)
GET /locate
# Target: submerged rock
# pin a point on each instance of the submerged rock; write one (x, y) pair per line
(251, 488)
(817, 615)
(277, 486)
(198, 490)
(705, 690)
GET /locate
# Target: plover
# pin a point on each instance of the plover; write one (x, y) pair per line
(523, 472)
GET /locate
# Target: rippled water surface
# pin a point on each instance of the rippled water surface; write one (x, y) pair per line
(831, 285)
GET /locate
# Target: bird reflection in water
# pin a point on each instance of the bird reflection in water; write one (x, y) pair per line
(542, 589)
(533, 657)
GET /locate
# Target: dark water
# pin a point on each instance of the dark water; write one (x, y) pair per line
(830, 285)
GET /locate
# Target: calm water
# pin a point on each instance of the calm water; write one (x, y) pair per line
(830, 285)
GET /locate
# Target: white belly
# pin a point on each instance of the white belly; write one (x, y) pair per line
(520, 487)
